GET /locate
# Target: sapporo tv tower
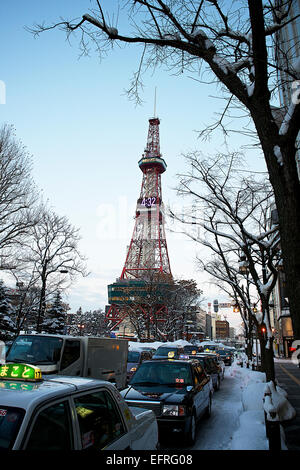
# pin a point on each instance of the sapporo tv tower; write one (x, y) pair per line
(146, 272)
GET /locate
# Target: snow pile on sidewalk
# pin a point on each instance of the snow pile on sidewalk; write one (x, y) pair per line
(251, 434)
(279, 403)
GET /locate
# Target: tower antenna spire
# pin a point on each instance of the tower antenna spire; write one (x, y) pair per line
(155, 102)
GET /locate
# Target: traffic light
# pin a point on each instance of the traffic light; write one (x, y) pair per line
(216, 306)
(236, 309)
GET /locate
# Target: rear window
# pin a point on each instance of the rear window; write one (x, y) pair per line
(167, 373)
(190, 349)
(164, 351)
(133, 356)
(224, 352)
(10, 422)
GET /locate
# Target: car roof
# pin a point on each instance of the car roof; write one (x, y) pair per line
(23, 394)
(180, 361)
(205, 356)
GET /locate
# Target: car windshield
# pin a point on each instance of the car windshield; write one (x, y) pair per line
(167, 373)
(224, 352)
(190, 349)
(34, 349)
(10, 422)
(133, 356)
(164, 351)
(209, 347)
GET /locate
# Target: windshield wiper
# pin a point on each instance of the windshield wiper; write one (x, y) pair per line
(44, 361)
(177, 384)
(145, 383)
(17, 359)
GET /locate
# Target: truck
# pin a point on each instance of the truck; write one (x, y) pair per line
(82, 356)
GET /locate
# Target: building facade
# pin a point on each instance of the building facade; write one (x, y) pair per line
(287, 55)
(222, 329)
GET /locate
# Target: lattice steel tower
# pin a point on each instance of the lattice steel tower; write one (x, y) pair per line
(147, 260)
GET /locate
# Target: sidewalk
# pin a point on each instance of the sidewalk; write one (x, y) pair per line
(288, 377)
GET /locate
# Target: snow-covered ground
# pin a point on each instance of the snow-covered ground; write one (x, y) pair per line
(237, 419)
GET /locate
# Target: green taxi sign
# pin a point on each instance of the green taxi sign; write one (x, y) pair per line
(24, 372)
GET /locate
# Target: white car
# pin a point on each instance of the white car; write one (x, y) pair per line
(68, 413)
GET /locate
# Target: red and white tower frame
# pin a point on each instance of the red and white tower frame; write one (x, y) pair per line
(148, 253)
(147, 256)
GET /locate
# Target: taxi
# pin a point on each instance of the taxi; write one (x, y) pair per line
(68, 413)
(212, 367)
(177, 390)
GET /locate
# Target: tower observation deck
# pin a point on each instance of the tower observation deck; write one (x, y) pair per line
(142, 287)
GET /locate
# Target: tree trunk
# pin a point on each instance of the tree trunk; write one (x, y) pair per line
(42, 306)
(288, 206)
(286, 186)
(249, 350)
(262, 345)
(269, 362)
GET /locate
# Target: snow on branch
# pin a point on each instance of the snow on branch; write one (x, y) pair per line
(109, 30)
(284, 128)
(265, 289)
(224, 235)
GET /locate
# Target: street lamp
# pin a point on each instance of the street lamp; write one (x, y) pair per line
(243, 265)
(81, 326)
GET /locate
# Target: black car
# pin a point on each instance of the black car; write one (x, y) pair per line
(191, 349)
(211, 367)
(226, 355)
(218, 359)
(178, 391)
(168, 351)
(134, 359)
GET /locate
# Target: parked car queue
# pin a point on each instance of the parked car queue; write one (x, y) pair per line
(177, 387)
(163, 396)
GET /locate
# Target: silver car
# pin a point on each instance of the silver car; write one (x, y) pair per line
(68, 413)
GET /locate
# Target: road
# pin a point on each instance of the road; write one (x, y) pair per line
(216, 432)
(288, 377)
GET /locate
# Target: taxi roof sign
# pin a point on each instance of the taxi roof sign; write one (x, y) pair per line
(25, 372)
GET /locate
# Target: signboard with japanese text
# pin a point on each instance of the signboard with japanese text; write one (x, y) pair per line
(20, 372)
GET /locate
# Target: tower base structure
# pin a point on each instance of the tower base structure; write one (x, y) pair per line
(141, 302)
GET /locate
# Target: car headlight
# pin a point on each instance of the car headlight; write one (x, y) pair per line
(133, 369)
(173, 410)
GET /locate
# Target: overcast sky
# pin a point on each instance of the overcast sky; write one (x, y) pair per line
(86, 137)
